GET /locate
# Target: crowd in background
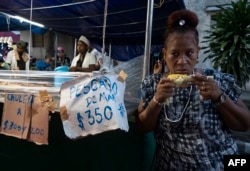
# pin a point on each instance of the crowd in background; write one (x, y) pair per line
(88, 58)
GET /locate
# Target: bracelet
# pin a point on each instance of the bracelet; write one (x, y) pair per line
(156, 101)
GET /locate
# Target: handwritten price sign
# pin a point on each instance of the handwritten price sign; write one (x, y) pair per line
(91, 105)
(25, 117)
(16, 115)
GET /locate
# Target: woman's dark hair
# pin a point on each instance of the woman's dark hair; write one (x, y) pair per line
(182, 21)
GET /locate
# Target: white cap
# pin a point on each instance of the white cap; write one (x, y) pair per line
(84, 39)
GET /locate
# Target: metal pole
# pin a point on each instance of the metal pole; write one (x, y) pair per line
(148, 34)
(104, 27)
(55, 52)
(75, 47)
(30, 33)
(111, 59)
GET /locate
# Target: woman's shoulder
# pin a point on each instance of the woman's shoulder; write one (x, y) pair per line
(89, 54)
(153, 78)
(218, 75)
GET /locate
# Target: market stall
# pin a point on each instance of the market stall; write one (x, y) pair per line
(109, 145)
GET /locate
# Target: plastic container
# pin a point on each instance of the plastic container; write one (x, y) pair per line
(58, 79)
(61, 69)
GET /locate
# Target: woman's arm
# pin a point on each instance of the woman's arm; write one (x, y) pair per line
(92, 67)
(147, 118)
(236, 116)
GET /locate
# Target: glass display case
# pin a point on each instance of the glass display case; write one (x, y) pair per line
(34, 81)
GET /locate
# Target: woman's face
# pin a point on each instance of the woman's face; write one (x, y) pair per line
(181, 53)
(81, 47)
(60, 53)
(20, 49)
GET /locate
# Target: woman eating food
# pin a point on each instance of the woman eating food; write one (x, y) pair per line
(191, 133)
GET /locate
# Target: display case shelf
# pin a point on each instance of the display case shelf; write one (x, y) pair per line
(34, 81)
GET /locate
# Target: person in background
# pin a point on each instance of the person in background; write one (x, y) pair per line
(157, 67)
(44, 65)
(84, 61)
(192, 122)
(62, 59)
(17, 58)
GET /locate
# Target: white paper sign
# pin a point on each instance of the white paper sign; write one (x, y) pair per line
(91, 105)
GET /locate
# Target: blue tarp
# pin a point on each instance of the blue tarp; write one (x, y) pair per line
(125, 21)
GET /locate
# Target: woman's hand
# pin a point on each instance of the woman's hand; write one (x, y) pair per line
(165, 89)
(209, 88)
(91, 68)
(73, 69)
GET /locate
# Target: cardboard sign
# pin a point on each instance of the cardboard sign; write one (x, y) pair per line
(16, 115)
(25, 116)
(91, 105)
(39, 122)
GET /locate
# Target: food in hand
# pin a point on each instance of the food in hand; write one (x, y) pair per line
(180, 78)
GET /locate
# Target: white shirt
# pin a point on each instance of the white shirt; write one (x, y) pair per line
(88, 59)
(11, 59)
